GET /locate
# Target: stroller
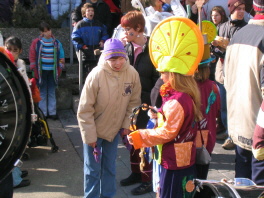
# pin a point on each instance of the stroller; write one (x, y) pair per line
(40, 133)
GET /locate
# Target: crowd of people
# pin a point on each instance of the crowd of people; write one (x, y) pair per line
(209, 104)
(214, 95)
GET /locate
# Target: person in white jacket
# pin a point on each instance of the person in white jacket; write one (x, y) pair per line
(111, 90)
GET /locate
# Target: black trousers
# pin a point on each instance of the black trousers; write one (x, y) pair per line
(6, 187)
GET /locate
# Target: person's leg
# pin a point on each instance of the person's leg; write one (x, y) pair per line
(146, 179)
(156, 176)
(51, 94)
(43, 88)
(6, 187)
(243, 163)
(228, 144)
(135, 176)
(223, 104)
(202, 171)
(92, 171)
(109, 152)
(146, 174)
(176, 188)
(16, 174)
(258, 171)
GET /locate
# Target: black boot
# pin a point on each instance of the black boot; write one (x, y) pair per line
(144, 188)
(132, 179)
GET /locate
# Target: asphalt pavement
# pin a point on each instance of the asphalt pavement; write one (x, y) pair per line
(60, 175)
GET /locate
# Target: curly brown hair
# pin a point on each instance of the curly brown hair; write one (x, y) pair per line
(86, 6)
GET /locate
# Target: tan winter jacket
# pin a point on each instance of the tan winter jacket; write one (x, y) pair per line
(107, 100)
(243, 63)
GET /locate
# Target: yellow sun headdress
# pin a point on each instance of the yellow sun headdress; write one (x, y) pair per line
(176, 45)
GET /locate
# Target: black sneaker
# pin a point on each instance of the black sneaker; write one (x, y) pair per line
(23, 183)
(24, 173)
(144, 188)
(132, 179)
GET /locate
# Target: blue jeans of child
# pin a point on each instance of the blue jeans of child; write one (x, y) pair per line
(99, 178)
(47, 93)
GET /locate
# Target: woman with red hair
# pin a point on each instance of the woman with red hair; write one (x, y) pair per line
(136, 45)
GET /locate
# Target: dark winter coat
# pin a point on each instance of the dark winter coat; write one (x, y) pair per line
(148, 76)
(6, 7)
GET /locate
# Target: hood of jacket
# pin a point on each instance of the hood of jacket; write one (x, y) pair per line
(256, 22)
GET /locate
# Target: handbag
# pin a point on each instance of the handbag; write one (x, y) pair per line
(202, 155)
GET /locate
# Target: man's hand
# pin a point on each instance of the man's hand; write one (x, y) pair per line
(194, 9)
(214, 43)
(93, 144)
(101, 44)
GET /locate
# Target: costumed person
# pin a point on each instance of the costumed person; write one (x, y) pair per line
(110, 91)
(176, 49)
(210, 108)
(244, 83)
(138, 53)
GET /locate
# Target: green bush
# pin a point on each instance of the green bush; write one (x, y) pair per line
(31, 18)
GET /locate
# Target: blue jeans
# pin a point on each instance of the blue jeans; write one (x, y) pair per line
(16, 174)
(223, 104)
(99, 178)
(47, 93)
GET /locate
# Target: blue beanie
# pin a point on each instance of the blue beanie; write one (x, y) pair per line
(113, 47)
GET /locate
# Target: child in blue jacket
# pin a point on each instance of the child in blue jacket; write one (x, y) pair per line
(89, 35)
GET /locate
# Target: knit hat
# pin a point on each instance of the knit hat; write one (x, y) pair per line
(258, 5)
(233, 4)
(113, 47)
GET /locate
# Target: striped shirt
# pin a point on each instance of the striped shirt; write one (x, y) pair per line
(47, 54)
